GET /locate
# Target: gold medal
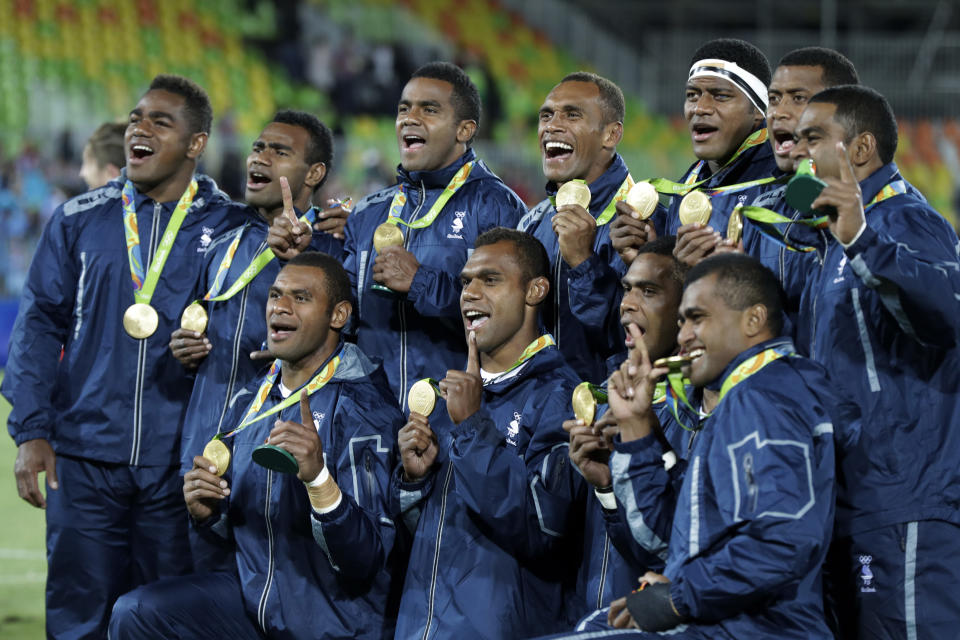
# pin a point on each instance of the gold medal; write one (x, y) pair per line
(695, 207)
(643, 197)
(573, 192)
(735, 226)
(194, 318)
(674, 363)
(422, 397)
(217, 453)
(387, 235)
(140, 320)
(584, 404)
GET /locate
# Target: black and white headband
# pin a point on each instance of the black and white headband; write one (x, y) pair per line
(749, 84)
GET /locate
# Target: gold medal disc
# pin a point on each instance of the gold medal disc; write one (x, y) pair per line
(674, 363)
(735, 226)
(422, 397)
(140, 320)
(695, 207)
(194, 318)
(643, 198)
(584, 404)
(573, 193)
(387, 235)
(217, 453)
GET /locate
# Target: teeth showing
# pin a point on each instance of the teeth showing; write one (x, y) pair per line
(696, 353)
(142, 147)
(474, 315)
(558, 146)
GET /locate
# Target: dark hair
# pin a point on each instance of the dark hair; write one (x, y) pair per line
(106, 145)
(836, 68)
(741, 52)
(860, 110)
(611, 97)
(465, 97)
(320, 148)
(664, 246)
(742, 282)
(196, 101)
(530, 252)
(336, 281)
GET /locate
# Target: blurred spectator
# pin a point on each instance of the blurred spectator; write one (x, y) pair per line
(103, 155)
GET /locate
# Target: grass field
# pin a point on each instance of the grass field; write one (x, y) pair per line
(23, 565)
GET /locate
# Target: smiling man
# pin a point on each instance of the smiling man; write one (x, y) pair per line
(238, 270)
(485, 482)
(880, 313)
(311, 548)
(743, 518)
(580, 126)
(649, 309)
(407, 291)
(97, 397)
(724, 107)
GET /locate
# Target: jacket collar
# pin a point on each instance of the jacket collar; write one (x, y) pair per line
(438, 178)
(780, 341)
(603, 188)
(872, 184)
(546, 360)
(207, 191)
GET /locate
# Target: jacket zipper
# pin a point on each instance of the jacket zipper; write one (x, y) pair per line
(603, 568)
(436, 552)
(142, 348)
(262, 607)
(237, 334)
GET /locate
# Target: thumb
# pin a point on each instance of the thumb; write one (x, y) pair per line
(306, 415)
(473, 357)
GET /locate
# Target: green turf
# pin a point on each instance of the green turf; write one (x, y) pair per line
(23, 565)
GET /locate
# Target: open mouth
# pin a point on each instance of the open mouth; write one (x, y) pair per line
(475, 319)
(783, 142)
(280, 329)
(412, 142)
(701, 132)
(554, 150)
(255, 179)
(140, 151)
(693, 354)
(628, 340)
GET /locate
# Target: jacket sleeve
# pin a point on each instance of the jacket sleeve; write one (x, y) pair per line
(39, 332)
(528, 502)
(914, 267)
(595, 292)
(646, 500)
(771, 476)
(407, 498)
(435, 292)
(358, 535)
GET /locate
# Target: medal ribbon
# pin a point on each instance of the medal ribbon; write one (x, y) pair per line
(400, 199)
(143, 288)
(535, 347)
(252, 270)
(744, 370)
(895, 188)
(317, 383)
(662, 185)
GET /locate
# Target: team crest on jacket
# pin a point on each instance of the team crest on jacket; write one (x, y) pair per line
(318, 418)
(513, 429)
(456, 227)
(843, 263)
(866, 575)
(205, 239)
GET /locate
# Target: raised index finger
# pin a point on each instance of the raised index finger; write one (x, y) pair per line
(473, 357)
(288, 210)
(306, 415)
(846, 168)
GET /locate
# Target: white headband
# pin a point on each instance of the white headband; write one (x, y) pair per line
(749, 84)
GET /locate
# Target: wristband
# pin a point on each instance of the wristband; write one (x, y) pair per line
(607, 500)
(323, 492)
